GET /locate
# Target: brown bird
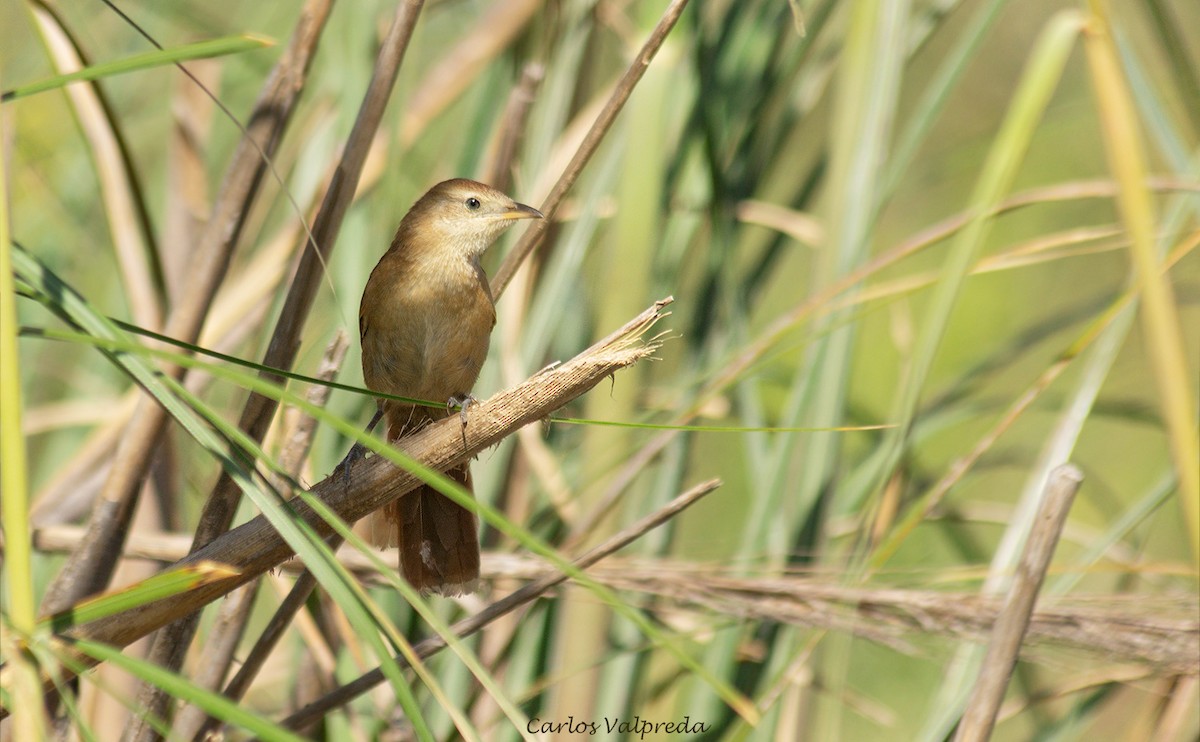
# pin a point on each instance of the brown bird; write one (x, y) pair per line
(424, 322)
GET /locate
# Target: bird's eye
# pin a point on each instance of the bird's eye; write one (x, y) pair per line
(472, 203)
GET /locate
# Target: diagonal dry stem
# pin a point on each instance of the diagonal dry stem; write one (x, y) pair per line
(1013, 621)
(505, 605)
(533, 235)
(253, 548)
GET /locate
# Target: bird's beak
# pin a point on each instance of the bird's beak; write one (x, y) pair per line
(520, 211)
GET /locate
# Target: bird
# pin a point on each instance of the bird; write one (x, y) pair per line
(424, 322)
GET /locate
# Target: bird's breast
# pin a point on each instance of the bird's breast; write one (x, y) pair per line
(426, 331)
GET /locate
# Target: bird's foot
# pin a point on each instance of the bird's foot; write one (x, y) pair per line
(462, 403)
(356, 453)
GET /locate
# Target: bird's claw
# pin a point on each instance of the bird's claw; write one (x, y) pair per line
(356, 452)
(462, 403)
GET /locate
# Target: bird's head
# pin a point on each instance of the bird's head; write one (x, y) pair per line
(462, 215)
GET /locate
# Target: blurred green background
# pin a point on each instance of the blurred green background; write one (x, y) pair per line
(763, 158)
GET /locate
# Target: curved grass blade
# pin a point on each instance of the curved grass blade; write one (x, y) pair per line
(200, 50)
(192, 415)
(445, 485)
(180, 687)
(158, 587)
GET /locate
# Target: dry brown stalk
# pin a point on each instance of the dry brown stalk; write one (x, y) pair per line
(532, 236)
(256, 546)
(979, 717)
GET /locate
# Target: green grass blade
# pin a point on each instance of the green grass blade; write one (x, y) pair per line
(158, 587)
(1038, 82)
(200, 50)
(18, 602)
(179, 687)
(1159, 312)
(286, 525)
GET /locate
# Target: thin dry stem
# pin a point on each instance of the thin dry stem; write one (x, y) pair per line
(505, 605)
(532, 236)
(1009, 632)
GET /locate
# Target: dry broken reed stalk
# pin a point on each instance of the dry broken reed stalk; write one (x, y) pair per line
(1008, 633)
(256, 546)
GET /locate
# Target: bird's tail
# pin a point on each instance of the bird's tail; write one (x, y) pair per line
(438, 538)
